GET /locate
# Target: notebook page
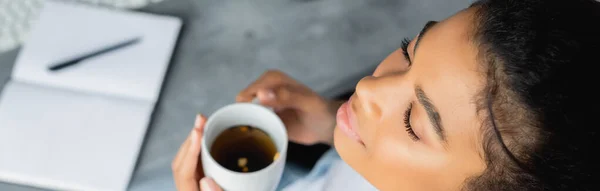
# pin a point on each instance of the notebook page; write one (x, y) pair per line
(66, 30)
(68, 140)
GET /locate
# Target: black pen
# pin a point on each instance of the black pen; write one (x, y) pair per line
(71, 62)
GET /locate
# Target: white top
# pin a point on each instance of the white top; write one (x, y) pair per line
(331, 173)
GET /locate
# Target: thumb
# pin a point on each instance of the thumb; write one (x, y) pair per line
(208, 184)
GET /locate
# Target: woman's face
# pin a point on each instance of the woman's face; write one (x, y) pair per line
(413, 124)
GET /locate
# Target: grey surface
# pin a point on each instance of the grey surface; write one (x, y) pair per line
(225, 44)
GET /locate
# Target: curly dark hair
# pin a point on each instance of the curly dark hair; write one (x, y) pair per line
(540, 132)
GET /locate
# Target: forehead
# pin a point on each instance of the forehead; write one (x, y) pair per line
(446, 68)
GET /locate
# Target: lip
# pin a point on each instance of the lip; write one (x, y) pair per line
(346, 121)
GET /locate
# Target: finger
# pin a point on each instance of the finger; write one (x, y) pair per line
(266, 96)
(266, 80)
(283, 97)
(199, 123)
(296, 134)
(190, 160)
(208, 184)
(181, 152)
(186, 144)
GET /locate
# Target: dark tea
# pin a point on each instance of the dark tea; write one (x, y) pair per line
(244, 149)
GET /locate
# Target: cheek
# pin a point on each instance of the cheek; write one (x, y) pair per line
(398, 163)
(393, 146)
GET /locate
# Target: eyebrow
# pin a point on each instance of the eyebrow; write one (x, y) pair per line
(422, 33)
(432, 113)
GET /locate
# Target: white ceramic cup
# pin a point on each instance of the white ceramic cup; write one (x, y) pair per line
(254, 115)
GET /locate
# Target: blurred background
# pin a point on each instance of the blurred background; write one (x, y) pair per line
(226, 44)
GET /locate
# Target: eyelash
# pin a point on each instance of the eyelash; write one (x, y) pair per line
(409, 128)
(404, 46)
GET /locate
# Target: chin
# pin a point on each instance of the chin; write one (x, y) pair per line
(337, 136)
(350, 151)
(339, 141)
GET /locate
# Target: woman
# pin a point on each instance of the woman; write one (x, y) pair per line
(487, 99)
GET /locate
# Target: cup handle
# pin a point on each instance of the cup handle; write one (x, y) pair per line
(257, 102)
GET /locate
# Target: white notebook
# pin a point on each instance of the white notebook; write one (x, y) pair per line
(82, 127)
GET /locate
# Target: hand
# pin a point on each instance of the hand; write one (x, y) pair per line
(187, 166)
(309, 118)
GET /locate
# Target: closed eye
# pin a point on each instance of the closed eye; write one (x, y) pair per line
(409, 128)
(404, 47)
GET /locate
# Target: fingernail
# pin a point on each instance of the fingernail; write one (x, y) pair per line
(266, 95)
(198, 121)
(270, 94)
(208, 184)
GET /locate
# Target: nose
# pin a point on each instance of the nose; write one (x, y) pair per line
(369, 92)
(366, 93)
(387, 86)
(375, 95)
